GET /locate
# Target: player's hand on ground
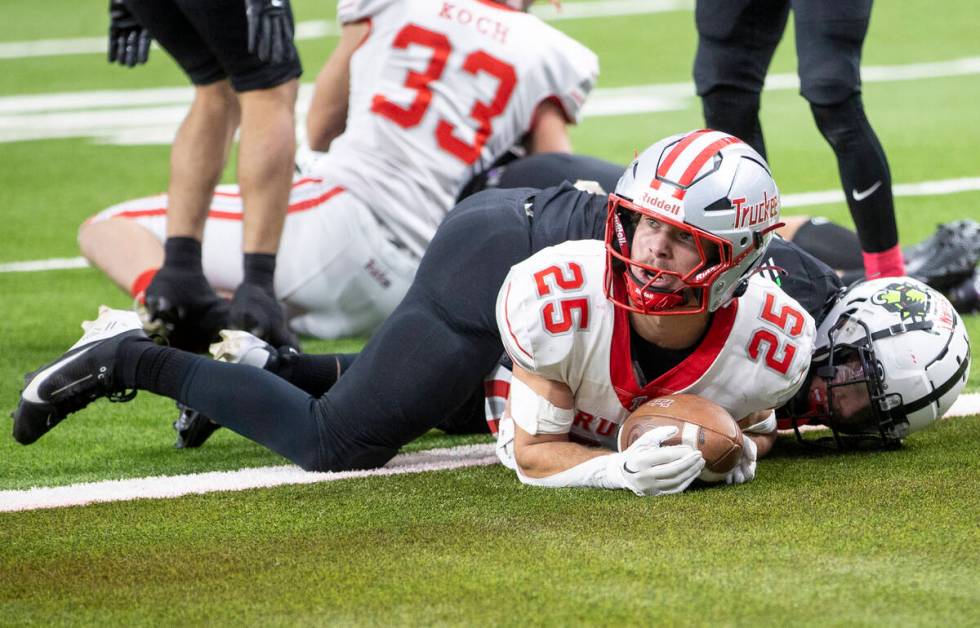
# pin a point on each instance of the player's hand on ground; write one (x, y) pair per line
(270, 33)
(651, 469)
(744, 471)
(257, 312)
(129, 41)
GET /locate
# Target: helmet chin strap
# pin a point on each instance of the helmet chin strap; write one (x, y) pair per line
(652, 300)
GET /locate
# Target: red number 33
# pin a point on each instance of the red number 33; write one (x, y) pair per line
(481, 112)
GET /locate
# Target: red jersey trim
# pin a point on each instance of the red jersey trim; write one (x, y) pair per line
(678, 378)
(293, 208)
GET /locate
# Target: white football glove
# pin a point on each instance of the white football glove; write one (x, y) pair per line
(647, 468)
(744, 471)
(241, 347)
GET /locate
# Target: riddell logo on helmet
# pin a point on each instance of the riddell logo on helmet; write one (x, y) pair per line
(749, 215)
(655, 202)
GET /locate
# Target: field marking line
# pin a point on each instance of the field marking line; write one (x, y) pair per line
(151, 116)
(925, 188)
(316, 29)
(171, 486)
(167, 487)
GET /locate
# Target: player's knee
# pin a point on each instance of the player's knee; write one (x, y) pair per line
(731, 110)
(95, 235)
(841, 123)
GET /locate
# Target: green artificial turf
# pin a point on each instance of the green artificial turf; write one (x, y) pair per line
(873, 538)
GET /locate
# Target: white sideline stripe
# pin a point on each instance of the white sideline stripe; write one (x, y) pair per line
(315, 29)
(804, 199)
(166, 487)
(924, 188)
(151, 116)
(55, 263)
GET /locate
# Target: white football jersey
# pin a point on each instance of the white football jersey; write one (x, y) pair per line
(556, 321)
(438, 91)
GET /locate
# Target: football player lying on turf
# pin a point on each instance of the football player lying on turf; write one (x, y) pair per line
(399, 152)
(425, 365)
(427, 362)
(816, 287)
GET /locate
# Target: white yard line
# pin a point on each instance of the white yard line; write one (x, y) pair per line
(167, 487)
(151, 116)
(164, 487)
(316, 29)
(924, 188)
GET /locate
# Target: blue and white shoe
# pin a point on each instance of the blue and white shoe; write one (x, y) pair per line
(83, 374)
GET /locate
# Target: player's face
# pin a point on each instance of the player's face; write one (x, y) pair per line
(843, 399)
(665, 247)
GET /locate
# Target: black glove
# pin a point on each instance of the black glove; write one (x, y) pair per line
(270, 30)
(129, 41)
(257, 312)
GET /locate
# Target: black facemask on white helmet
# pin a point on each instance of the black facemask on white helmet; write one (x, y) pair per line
(892, 357)
(718, 192)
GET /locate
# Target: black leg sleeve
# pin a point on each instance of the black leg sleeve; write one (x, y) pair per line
(428, 359)
(258, 405)
(252, 402)
(735, 111)
(863, 170)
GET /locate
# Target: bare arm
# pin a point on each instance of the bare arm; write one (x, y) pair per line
(763, 440)
(541, 455)
(550, 131)
(327, 116)
(548, 458)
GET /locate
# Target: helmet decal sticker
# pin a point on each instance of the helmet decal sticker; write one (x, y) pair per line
(905, 299)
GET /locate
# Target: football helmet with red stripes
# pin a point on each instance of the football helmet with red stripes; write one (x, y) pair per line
(892, 356)
(718, 192)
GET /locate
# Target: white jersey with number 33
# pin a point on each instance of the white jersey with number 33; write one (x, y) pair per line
(556, 321)
(438, 91)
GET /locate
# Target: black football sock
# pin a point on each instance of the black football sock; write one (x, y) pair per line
(315, 374)
(260, 270)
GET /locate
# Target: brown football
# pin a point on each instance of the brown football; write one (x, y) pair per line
(700, 423)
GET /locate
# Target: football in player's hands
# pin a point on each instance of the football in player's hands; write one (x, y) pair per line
(701, 423)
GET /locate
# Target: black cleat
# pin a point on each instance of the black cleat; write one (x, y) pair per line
(948, 257)
(193, 428)
(965, 297)
(81, 375)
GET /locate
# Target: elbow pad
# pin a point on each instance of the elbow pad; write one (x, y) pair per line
(535, 414)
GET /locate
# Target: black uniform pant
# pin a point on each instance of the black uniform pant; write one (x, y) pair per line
(209, 40)
(736, 41)
(424, 366)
